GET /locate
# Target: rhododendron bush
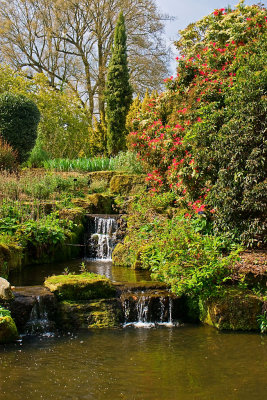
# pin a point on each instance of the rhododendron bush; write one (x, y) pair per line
(204, 138)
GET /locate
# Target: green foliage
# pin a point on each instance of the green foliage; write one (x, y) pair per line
(80, 164)
(205, 137)
(118, 91)
(36, 186)
(37, 156)
(98, 138)
(8, 157)
(262, 320)
(128, 161)
(4, 312)
(43, 231)
(133, 115)
(63, 128)
(182, 252)
(19, 118)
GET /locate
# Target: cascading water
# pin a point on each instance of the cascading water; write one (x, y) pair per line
(147, 310)
(39, 320)
(102, 237)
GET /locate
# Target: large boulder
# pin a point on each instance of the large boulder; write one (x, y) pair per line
(5, 290)
(98, 313)
(127, 184)
(85, 286)
(234, 309)
(96, 203)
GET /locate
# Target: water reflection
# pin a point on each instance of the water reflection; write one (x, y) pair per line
(185, 363)
(36, 274)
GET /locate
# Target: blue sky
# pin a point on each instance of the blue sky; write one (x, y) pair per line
(186, 11)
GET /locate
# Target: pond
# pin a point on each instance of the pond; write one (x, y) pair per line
(182, 363)
(36, 274)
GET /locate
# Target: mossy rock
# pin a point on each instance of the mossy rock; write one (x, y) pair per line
(121, 255)
(103, 313)
(8, 330)
(75, 214)
(104, 176)
(10, 257)
(127, 184)
(80, 287)
(235, 310)
(96, 203)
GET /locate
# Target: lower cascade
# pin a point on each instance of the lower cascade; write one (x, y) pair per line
(39, 321)
(101, 237)
(147, 310)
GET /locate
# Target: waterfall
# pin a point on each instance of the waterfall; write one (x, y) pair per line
(147, 310)
(102, 238)
(39, 321)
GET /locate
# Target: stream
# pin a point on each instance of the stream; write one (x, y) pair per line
(184, 363)
(166, 362)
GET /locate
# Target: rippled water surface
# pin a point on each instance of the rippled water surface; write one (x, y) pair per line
(184, 363)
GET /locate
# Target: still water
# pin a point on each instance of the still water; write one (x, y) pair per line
(36, 274)
(184, 363)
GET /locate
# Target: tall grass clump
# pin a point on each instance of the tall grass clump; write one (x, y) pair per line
(79, 164)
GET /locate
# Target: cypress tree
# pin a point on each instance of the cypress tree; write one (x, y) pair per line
(118, 91)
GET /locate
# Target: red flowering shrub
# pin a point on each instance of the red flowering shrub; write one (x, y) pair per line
(203, 122)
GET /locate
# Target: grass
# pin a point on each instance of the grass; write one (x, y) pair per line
(80, 164)
(124, 161)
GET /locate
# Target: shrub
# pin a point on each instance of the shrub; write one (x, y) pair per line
(205, 137)
(128, 162)
(8, 157)
(37, 156)
(19, 118)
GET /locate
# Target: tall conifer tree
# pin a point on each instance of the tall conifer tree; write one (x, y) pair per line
(118, 91)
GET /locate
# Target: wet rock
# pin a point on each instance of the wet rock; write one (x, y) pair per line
(8, 330)
(103, 313)
(236, 310)
(26, 299)
(5, 290)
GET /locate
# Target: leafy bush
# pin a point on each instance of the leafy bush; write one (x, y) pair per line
(63, 128)
(185, 253)
(37, 156)
(128, 162)
(19, 118)
(205, 138)
(8, 157)
(4, 312)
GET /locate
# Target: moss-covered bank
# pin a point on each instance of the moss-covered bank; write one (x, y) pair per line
(85, 286)
(8, 330)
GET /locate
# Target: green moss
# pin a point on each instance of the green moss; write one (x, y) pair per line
(122, 256)
(103, 313)
(104, 176)
(127, 184)
(233, 310)
(96, 203)
(72, 214)
(8, 330)
(80, 287)
(10, 257)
